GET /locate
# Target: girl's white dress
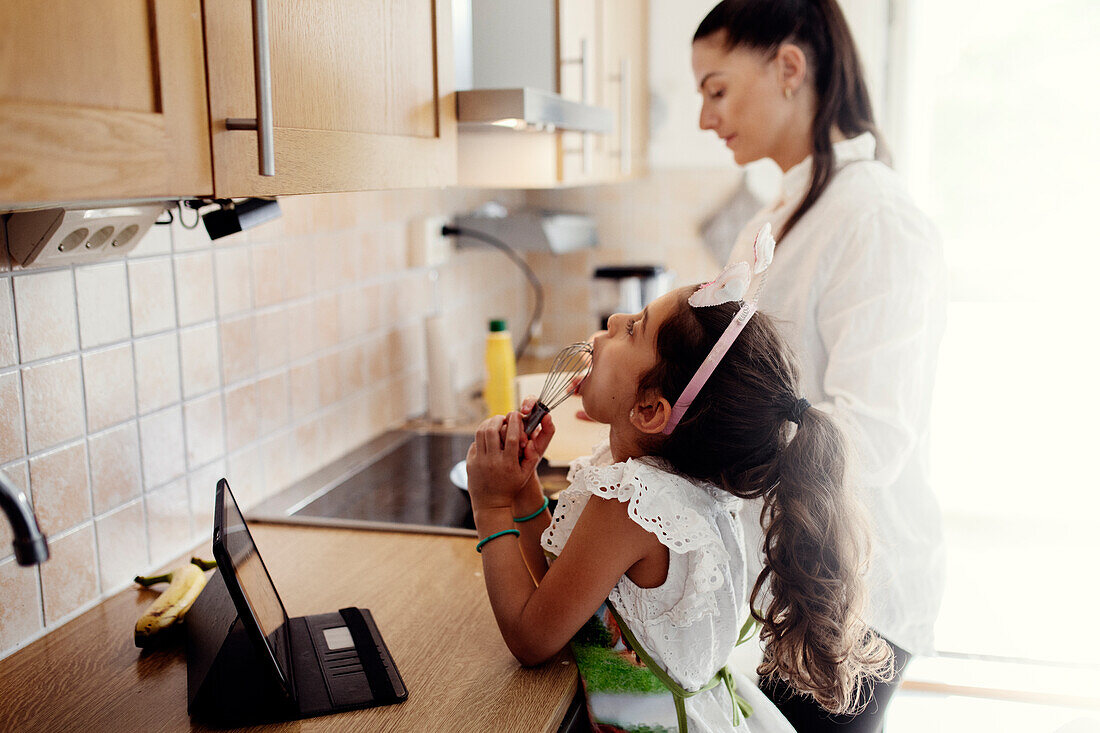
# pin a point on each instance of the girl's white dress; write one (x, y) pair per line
(690, 624)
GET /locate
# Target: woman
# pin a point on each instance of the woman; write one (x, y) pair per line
(858, 282)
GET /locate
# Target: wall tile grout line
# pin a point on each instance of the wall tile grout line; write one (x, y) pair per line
(173, 254)
(196, 531)
(262, 479)
(173, 259)
(137, 415)
(87, 445)
(22, 399)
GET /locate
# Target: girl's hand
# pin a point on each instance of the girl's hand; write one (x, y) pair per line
(540, 438)
(502, 460)
(545, 431)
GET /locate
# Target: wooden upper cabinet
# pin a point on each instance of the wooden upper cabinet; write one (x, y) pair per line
(102, 100)
(624, 83)
(362, 95)
(579, 81)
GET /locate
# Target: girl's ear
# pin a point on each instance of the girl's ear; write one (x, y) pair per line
(650, 415)
(791, 62)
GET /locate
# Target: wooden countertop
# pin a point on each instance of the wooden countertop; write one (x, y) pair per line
(425, 592)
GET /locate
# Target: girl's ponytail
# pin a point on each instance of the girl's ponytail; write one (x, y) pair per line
(737, 435)
(815, 546)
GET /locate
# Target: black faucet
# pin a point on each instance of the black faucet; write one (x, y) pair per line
(30, 545)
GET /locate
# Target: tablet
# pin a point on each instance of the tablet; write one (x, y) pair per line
(259, 607)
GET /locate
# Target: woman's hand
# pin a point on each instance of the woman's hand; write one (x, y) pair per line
(502, 459)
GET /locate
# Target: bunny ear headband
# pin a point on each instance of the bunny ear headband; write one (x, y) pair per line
(730, 285)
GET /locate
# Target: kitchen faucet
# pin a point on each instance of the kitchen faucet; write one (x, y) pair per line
(30, 545)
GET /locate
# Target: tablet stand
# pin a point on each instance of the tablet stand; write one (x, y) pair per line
(227, 683)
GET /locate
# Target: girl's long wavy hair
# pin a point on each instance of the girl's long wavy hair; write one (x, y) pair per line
(819, 29)
(737, 435)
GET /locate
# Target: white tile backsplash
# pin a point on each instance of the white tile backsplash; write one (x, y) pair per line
(157, 371)
(205, 431)
(194, 287)
(46, 314)
(59, 488)
(16, 474)
(70, 579)
(237, 338)
(120, 540)
(53, 403)
(152, 295)
(242, 416)
(109, 386)
(128, 388)
(21, 611)
(233, 268)
(102, 304)
(162, 446)
(114, 457)
(269, 268)
(168, 516)
(199, 360)
(12, 435)
(8, 353)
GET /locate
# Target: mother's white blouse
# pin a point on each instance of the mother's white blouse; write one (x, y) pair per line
(859, 288)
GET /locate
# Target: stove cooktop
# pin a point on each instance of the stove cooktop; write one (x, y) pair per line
(399, 481)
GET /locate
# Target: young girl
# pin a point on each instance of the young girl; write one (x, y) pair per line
(704, 410)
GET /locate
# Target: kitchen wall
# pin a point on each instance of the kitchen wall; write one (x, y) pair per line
(650, 220)
(128, 388)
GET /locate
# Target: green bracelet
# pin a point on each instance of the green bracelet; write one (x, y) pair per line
(494, 536)
(541, 509)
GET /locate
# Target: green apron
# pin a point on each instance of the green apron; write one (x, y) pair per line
(606, 650)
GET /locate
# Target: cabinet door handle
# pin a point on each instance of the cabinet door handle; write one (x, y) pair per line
(584, 70)
(625, 117)
(586, 138)
(264, 122)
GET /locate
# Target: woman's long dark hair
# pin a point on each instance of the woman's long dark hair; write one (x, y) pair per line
(819, 29)
(737, 435)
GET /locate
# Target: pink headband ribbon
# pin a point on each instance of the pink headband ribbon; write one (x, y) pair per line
(730, 285)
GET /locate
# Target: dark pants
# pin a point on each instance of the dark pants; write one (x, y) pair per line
(807, 716)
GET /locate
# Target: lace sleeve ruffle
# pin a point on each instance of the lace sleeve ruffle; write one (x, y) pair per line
(674, 510)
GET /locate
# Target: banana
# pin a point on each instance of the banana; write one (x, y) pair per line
(185, 584)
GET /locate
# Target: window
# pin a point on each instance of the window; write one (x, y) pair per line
(996, 129)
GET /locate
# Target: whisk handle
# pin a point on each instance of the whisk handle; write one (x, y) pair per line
(533, 420)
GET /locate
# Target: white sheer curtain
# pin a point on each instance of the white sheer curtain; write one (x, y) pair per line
(996, 115)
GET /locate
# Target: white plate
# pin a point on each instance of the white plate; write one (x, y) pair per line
(458, 475)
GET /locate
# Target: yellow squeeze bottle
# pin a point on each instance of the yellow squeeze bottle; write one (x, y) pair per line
(500, 369)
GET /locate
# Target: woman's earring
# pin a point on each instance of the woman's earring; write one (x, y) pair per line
(631, 413)
(787, 92)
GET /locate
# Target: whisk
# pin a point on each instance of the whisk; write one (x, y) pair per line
(570, 367)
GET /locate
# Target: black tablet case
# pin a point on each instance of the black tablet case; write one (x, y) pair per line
(231, 683)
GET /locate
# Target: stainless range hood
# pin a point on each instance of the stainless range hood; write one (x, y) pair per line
(506, 69)
(526, 108)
